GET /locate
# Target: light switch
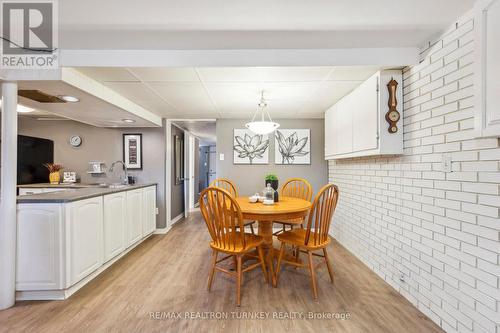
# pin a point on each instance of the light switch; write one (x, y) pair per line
(446, 163)
(221, 157)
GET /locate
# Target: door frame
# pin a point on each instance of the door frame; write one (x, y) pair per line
(168, 165)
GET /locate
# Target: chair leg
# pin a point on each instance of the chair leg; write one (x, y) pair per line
(297, 253)
(238, 281)
(251, 229)
(212, 270)
(278, 266)
(328, 265)
(262, 263)
(313, 274)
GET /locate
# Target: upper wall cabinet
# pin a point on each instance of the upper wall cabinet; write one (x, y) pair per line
(487, 85)
(357, 125)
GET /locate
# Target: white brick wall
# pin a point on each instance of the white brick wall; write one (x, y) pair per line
(405, 215)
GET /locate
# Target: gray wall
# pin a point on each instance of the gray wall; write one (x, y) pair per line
(177, 194)
(103, 144)
(250, 178)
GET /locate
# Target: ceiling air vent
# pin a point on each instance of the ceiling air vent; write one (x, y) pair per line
(40, 96)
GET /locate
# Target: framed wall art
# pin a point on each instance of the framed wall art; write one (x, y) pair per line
(132, 151)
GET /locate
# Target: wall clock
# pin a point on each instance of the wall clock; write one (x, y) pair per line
(392, 116)
(75, 141)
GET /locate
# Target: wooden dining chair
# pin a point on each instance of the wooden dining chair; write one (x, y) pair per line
(314, 237)
(295, 188)
(222, 214)
(228, 185)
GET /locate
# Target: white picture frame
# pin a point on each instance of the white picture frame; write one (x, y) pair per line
(292, 146)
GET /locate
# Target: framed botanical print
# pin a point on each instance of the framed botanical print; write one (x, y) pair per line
(132, 151)
(292, 146)
(250, 148)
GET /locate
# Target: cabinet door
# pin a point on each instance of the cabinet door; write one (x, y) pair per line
(134, 216)
(344, 125)
(86, 237)
(115, 218)
(487, 51)
(40, 264)
(149, 211)
(331, 131)
(364, 108)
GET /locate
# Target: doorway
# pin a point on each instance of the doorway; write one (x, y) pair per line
(193, 142)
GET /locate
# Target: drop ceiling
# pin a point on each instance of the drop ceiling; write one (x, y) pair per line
(232, 92)
(205, 131)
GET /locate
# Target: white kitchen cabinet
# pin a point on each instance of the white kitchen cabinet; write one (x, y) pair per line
(134, 217)
(363, 103)
(61, 246)
(115, 219)
(331, 143)
(487, 71)
(86, 237)
(356, 125)
(149, 210)
(40, 234)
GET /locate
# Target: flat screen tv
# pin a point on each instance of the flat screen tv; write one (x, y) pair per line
(32, 153)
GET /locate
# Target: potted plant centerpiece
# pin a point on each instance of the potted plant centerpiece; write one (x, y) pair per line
(273, 180)
(54, 172)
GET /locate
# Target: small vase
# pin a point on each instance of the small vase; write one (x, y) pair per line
(54, 177)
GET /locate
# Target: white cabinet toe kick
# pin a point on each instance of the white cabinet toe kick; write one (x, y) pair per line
(63, 246)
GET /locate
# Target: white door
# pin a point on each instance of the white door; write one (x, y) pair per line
(149, 211)
(86, 237)
(115, 219)
(134, 217)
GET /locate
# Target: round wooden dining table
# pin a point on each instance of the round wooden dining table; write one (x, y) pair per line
(286, 209)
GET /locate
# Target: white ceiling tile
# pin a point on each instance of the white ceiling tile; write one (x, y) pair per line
(161, 74)
(132, 90)
(185, 96)
(108, 74)
(329, 93)
(352, 73)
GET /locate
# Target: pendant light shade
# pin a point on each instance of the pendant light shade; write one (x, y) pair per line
(262, 126)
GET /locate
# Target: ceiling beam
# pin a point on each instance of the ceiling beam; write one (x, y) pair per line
(386, 57)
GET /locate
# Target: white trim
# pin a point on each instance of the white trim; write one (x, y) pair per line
(161, 231)
(382, 56)
(176, 219)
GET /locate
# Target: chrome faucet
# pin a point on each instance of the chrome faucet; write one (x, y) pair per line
(125, 180)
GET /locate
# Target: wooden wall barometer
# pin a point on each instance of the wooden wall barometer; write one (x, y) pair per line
(392, 116)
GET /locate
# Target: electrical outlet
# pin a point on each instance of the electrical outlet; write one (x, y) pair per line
(402, 277)
(221, 157)
(446, 163)
(157, 211)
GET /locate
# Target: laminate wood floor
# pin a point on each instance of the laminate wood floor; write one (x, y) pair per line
(152, 288)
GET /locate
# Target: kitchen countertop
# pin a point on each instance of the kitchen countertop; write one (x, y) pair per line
(75, 193)
(62, 185)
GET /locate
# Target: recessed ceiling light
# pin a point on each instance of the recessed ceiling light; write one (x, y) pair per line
(67, 98)
(128, 121)
(21, 108)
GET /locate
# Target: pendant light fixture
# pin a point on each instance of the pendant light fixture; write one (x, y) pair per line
(259, 124)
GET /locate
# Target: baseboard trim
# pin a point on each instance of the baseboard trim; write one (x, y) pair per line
(162, 231)
(176, 219)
